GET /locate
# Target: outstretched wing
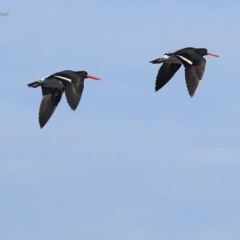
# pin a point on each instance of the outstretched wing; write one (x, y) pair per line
(193, 75)
(165, 73)
(73, 86)
(51, 98)
(73, 93)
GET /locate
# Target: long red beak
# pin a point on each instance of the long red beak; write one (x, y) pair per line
(212, 54)
(91, 76)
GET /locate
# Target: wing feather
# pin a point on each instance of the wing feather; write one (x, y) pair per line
(50, 100)
(165, 73)
(73, 94)
(193, 76)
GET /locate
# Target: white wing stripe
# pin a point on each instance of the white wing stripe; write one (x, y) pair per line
(185, 59)
(63, 78)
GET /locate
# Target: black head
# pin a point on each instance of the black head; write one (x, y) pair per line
(84, 75)
(204, 51)
(201, 51)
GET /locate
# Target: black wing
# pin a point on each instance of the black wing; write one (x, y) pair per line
(193, 75)
(50, 100)
(165, 73)
(73, 86)
(73, 93)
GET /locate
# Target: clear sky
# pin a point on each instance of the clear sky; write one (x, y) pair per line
(129, 163)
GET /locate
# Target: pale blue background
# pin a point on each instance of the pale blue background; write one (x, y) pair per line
(129, 163)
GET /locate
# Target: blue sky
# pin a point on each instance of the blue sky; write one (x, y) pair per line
(129, 163)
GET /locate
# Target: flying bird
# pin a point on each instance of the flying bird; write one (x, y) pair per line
(53, 86)
(193, 61)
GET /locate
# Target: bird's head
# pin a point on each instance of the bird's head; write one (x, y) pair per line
(204, 51)
(84, 75)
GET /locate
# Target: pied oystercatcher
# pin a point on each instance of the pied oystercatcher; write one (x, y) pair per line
(193, 61)
(53, 87)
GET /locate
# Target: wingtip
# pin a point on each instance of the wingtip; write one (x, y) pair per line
(41, 124)
(191, 94)
(156, 88)
(72, 107)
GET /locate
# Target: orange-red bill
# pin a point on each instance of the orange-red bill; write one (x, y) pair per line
(212, 54)
(93, 77)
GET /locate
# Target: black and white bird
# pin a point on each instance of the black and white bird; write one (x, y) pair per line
(193, 61)
(53, 87)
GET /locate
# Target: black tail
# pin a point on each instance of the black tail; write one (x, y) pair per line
(158, 60)
(34, 84)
